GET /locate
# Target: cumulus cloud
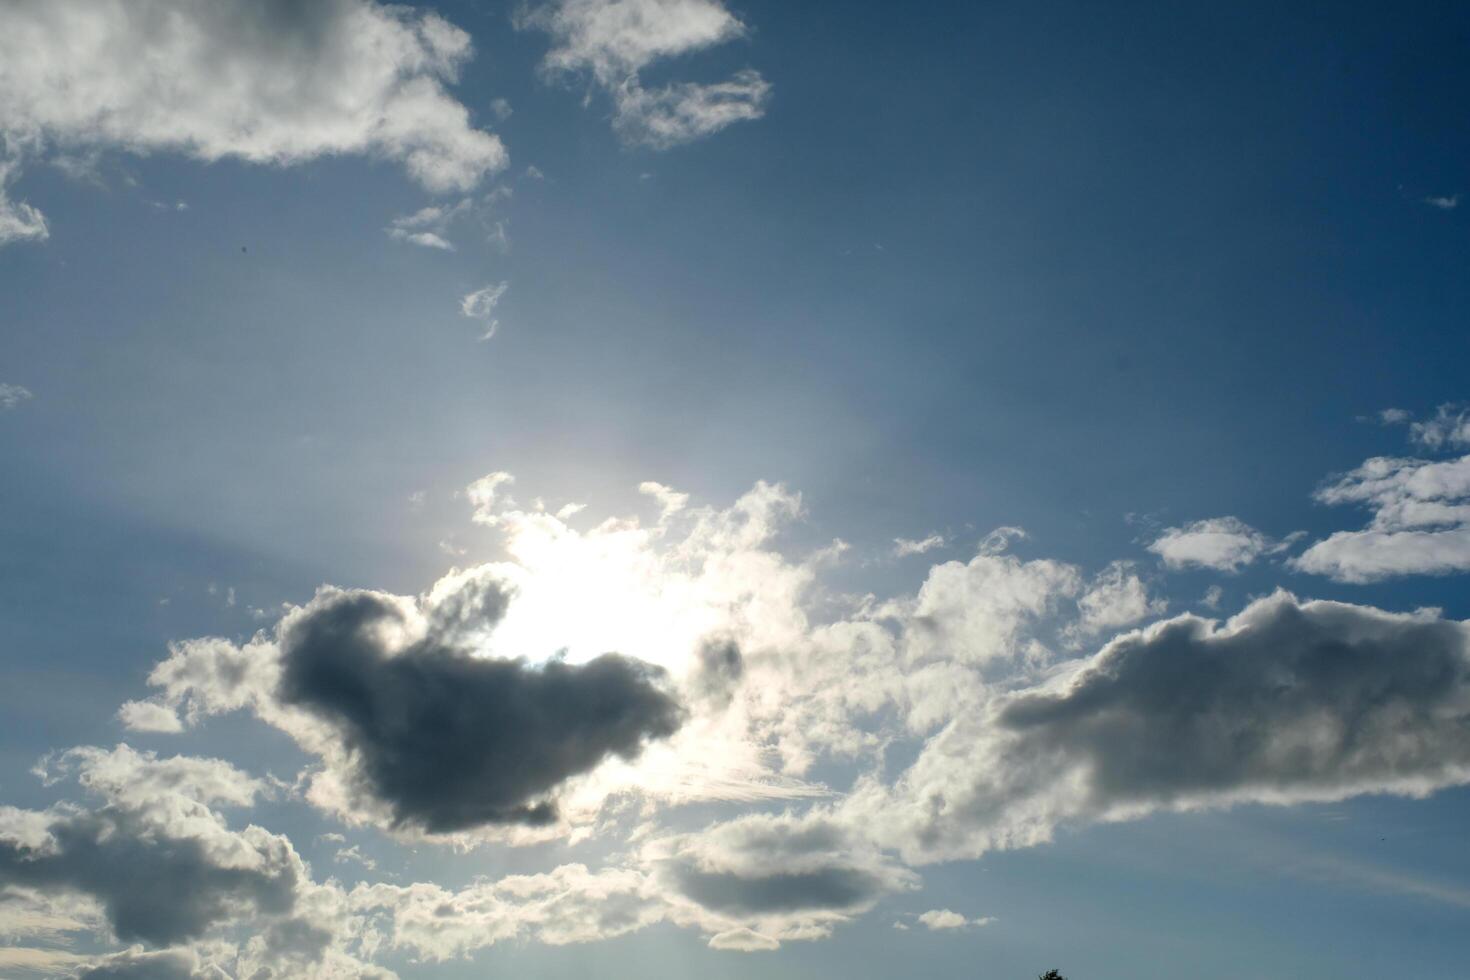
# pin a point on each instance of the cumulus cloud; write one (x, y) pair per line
(452, 741)
(941, 920)
(274, 82)
(162, 866)
(489, 705)
(1225, 544)
(761, 879)
(1116, 597)
(976, 611)
(1420, 523)
(148, 716)
(1443, 202)
(1287, 702)
(414, 729)
(613, 41)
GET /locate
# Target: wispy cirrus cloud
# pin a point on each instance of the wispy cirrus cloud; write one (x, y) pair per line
(481, 304)
(12, 395)
(613, 41)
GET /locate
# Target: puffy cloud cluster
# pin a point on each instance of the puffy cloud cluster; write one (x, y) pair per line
(613, 41)
(276, 82)
(1286, 702)
(153, 862)
(162, 866)
(414, 731)
(491, 708)
(1420, 524)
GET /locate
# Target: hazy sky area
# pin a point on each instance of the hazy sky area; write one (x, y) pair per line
(667, 488)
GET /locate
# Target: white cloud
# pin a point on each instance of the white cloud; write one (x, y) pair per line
(773, 675)
(1394, 416)
(1225, 544)
(269, 83)
(430, 227)
(1420, 524)
(13, 395)
(613, 41)
(903, 547)
(480, 305)
(148, 716)
(1444, 202)
(976, 612)
(1116, 597)
(938, 920)
(19, 221)
(1449, 428)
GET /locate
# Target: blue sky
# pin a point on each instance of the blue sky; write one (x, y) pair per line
(925, 408)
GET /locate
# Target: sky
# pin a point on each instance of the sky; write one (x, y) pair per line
(596, 488)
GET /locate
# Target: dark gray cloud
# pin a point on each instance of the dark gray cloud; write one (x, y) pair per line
(718, 668)
(1287, 702)
(1299, 698)
(782, 874)
(451, 741)
(153, 887)
(132, 965)
(824, 888)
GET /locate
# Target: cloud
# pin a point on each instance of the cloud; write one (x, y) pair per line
(480, 305)
(451, 741)
(429, 227)
(1449, 428)
(1444, 202)
(1394, 416)
(1116, 597)
(147, 716)
(567, 905)
(684, 111)
(1420, 524)
(1225, 544)
(161, 865)
(13, 395)
(488, 703)
(974, 612)
(136, 964)
(19, 221)
(414, 729)
(1287, 702)
(613, 41)
(761, 879)
(275, 82)
(941, 920)
(903, 547)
